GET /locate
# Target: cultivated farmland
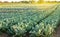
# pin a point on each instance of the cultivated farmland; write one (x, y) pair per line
(29, 21)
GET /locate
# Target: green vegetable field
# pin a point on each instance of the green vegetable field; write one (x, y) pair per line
(29, 21)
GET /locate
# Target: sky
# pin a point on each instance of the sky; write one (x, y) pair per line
(16, 0)
(52, 0)
(25, 0)
(13, 0)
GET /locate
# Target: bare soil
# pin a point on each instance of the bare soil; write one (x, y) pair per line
(57, 33)
(4, 35)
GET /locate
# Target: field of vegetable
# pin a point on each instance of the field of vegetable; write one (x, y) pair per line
(29, 21)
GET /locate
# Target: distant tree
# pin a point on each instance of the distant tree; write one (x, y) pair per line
(0, 2)
(32, 1)
(41, 1)
(5, 1)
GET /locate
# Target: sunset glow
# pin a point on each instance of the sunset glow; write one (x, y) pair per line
(25, 0)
